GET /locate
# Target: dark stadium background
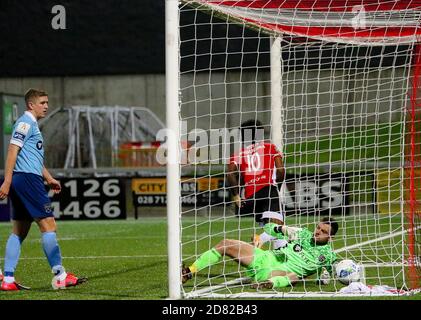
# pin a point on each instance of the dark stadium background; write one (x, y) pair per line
(122, 37)
(102, 37)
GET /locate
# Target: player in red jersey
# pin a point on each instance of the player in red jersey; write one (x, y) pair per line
(257, 169)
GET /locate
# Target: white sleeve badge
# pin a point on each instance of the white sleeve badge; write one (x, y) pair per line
(23, 128)
(20, 133)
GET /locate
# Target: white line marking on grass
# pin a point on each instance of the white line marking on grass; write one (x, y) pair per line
(101, 257)
(82, 238)
(104, 257)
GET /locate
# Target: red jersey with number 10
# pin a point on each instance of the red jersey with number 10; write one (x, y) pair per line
(257, 166)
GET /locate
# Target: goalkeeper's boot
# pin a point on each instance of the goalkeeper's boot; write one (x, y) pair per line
(186, 274)
(70, 281)
(1, 276)
(13, 286)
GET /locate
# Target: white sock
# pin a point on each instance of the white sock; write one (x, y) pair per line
(9, 279)
(62, 277)
(264, 237)
(279, 243)
(59, 272)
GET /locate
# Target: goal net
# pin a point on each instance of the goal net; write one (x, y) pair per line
(335, 86)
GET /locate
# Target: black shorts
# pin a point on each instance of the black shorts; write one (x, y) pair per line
(266, 199)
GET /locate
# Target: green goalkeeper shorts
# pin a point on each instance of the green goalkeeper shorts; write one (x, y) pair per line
(264, 262)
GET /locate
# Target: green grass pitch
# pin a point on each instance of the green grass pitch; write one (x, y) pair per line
(122, 259)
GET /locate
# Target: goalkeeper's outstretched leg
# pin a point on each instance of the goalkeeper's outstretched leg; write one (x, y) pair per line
(241, 251)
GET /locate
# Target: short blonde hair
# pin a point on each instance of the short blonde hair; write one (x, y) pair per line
(34, 93)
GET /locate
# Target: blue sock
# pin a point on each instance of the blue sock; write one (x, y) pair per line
(12, 255)
(52, 251)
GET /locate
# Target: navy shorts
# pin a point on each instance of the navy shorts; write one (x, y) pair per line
(29, 197)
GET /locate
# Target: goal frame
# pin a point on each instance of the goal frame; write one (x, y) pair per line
(172, 82)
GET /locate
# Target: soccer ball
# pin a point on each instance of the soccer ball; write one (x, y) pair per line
(347, 271)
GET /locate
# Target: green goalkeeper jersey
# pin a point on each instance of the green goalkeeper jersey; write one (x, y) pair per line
(302, 255)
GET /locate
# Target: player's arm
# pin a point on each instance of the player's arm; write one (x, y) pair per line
(280, 170)
(53, 183)
(274, 229)
(12, 155)
(232, 178)
(280, 231)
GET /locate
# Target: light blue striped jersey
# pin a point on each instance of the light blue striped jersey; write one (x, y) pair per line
(27, 136)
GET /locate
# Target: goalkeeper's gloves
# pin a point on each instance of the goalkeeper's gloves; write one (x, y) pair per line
(324, 277)
(334, 265)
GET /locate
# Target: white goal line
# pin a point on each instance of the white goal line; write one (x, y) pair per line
(209, 292)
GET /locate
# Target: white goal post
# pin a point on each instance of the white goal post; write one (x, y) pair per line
(336, 88)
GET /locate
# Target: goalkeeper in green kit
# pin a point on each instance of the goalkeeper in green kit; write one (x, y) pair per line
(304, 254)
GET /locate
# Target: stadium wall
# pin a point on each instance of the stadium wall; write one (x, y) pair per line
(249, 92)
(124, 90)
